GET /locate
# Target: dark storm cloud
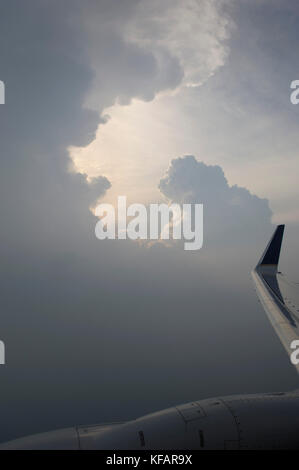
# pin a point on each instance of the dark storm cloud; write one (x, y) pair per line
(58, 284)
(46, 76)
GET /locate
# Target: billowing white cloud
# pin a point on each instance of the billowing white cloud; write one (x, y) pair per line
(144, 47)
(232, 215)
(194, 31)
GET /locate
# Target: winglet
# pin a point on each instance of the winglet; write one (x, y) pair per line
(272, 251)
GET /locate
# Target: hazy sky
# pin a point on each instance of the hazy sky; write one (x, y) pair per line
(184, 101)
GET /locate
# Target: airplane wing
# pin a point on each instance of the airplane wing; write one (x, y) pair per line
(279, 297)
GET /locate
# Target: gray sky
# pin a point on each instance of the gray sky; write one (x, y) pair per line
(174, 101)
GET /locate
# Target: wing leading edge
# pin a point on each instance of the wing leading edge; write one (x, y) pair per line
(277, 294)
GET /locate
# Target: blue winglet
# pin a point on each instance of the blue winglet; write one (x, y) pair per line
(272, 252)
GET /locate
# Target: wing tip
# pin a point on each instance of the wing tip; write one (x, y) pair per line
(272, 251)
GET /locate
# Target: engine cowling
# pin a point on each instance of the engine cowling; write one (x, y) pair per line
(264, 421)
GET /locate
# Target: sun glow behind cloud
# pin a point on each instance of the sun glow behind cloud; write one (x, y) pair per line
(127, 150)
(134, 148)
(223, 118)
(169, 46)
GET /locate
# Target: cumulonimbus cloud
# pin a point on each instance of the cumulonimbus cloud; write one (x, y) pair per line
(232, 215)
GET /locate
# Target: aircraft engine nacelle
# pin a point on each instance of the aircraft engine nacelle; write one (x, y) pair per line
(264, 421)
